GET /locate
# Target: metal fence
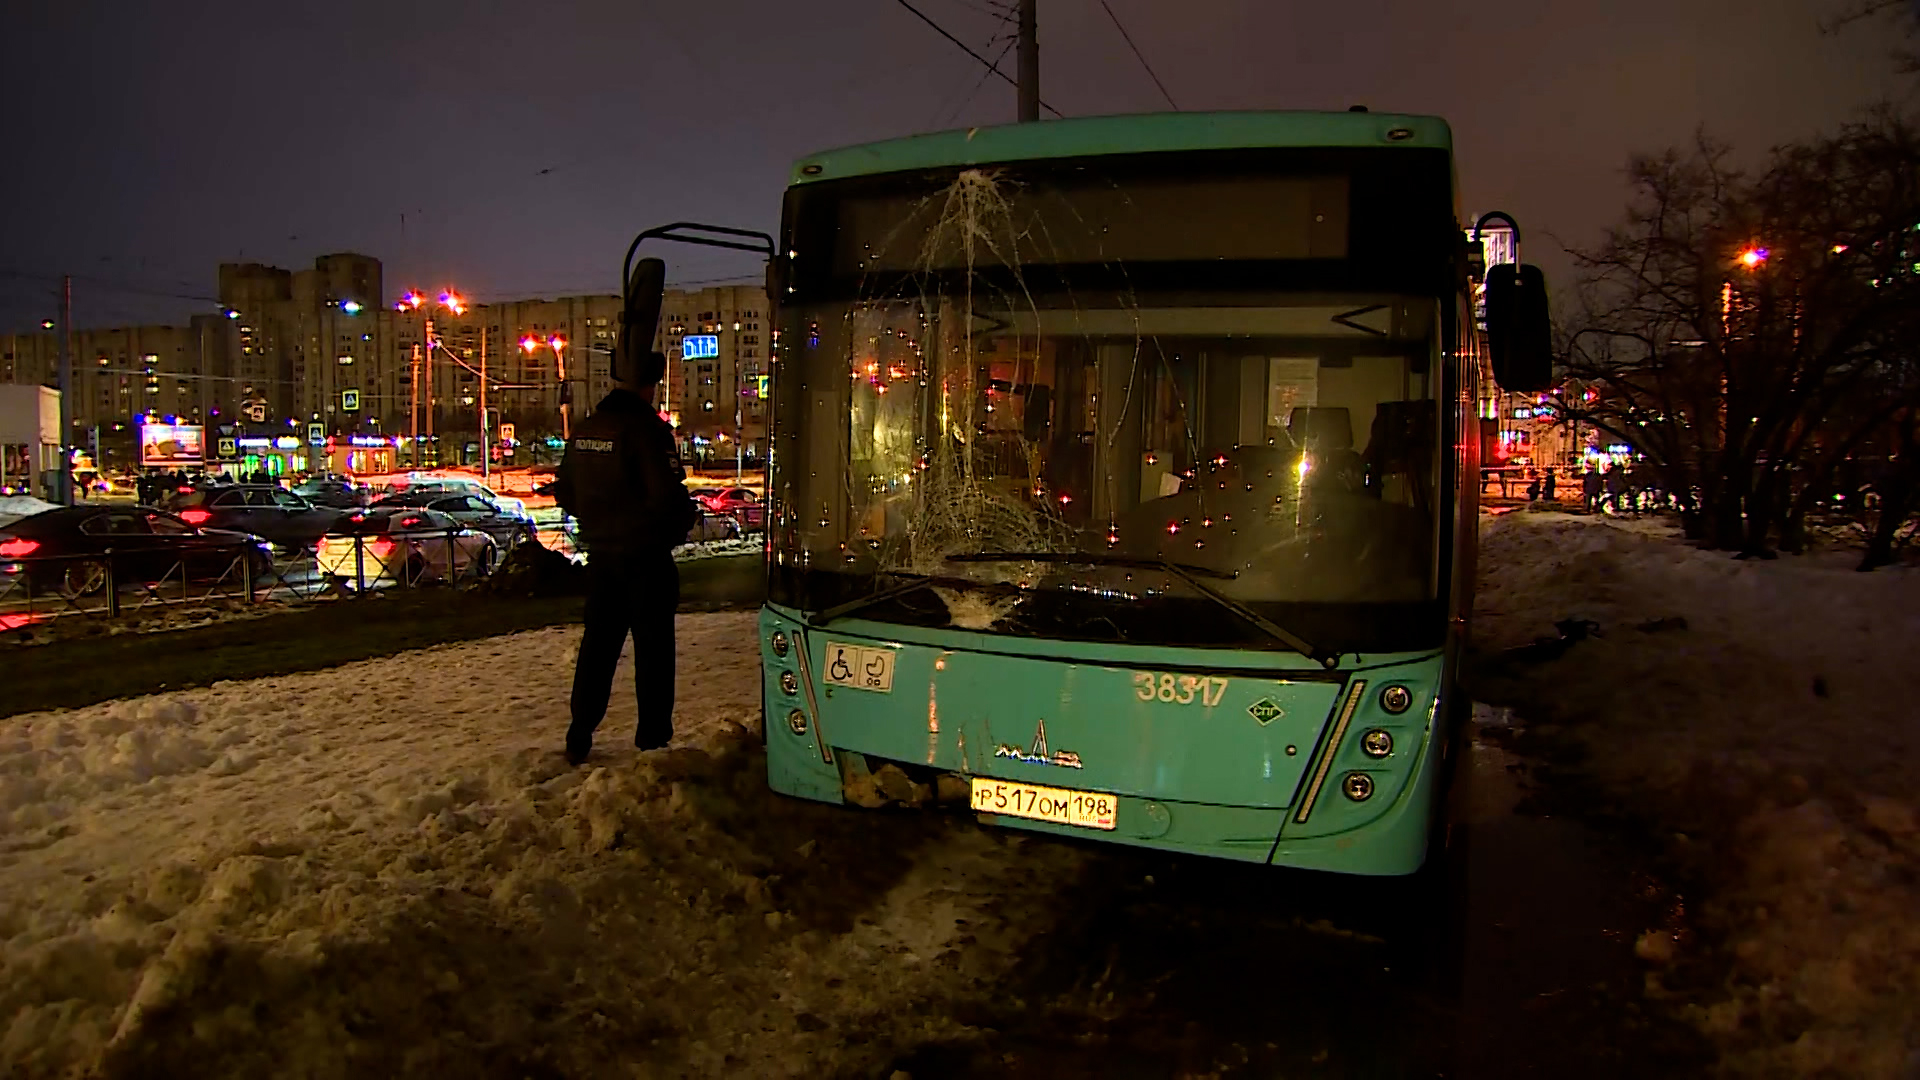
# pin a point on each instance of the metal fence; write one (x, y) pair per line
(125, 581)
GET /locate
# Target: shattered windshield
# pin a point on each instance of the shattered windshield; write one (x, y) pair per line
(1105, 463)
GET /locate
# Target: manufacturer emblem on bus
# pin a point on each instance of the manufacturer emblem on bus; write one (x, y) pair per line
(1037, 754)
(1265, 711)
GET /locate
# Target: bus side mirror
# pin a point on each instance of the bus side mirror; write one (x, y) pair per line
(640, 319)
(1519, 335)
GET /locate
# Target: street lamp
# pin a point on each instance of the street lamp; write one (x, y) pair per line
(558, 343)
(423, 355)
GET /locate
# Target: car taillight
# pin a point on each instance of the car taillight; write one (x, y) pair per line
(184, 491)
(194, 517)
(14, 548)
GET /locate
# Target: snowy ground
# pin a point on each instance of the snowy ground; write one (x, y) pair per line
(368, 872)
(384, 869)
(1774, 739)
(15, 507)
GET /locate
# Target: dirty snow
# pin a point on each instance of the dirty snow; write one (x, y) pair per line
(1773, 738)
(385, 869)
(15, 507)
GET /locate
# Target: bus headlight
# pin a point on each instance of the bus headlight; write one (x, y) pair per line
(797, 722)
(1358, 786)
(1396, 699)
(1375, 743)
(789, 685)
(780, 644)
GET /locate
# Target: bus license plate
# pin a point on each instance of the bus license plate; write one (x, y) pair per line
(1086, 809)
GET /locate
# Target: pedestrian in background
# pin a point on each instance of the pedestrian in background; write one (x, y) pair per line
(622, 481)
(1590, 488)
(1616, 482)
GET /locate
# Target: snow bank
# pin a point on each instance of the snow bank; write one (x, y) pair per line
(1773, 734)
(385, 869)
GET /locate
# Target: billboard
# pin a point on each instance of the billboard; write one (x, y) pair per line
(172, 444)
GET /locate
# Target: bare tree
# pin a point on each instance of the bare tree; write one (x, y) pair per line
(1904, 14)
(1750, 334)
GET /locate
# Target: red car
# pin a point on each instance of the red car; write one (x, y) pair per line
(740, 504)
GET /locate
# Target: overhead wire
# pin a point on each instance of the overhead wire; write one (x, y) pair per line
(1007, 13)
(954, 114)
(991, 66)
(1118, 25)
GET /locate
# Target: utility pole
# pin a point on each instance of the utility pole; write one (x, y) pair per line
(426, 353)
(486, 451)
(1029, 63)
(414, 370)
(63, 493)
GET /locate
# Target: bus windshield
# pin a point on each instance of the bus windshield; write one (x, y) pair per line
(1289, 448)
(1036, 397)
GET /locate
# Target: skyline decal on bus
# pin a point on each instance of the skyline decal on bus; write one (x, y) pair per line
(1037, 754)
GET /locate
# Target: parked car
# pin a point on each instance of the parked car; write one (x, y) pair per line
(448, 485)
(740, 504)
(335, 492)
(288, 521)
(405, 543)
(500, 522)
(70, 549)
(707, 526)
(711, 526)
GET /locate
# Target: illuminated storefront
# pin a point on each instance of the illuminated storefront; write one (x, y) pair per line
(280, 456)
(361, 455)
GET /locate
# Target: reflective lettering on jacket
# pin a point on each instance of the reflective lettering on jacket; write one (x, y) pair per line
(598, 446)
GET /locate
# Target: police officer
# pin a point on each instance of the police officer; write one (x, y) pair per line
(621, 480)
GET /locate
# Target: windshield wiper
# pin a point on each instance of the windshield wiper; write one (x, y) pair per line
(1186, 572)
(914, 583)
(1275, 630)
(1087, 558)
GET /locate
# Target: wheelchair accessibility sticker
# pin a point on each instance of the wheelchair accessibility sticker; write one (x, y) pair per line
(859, 667)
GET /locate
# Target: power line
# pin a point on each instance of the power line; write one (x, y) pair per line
(108, 285)
(990, 65)
(950, 117)
(1136, 52)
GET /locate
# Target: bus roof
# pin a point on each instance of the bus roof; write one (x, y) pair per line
(1146, 133)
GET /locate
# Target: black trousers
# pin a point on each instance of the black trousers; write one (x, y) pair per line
(637, 595)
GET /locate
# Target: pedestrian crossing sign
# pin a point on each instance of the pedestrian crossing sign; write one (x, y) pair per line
(350, 401)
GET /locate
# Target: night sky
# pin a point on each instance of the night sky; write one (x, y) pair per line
(514, 149)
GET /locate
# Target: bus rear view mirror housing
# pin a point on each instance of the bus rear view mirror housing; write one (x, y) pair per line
(1519, 335)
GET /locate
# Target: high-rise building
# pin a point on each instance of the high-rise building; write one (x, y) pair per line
(719, 344)
(291, 348)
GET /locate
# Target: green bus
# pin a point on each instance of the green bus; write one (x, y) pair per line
(1123, 479)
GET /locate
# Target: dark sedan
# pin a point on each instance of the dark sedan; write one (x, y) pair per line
(72, 549)
(471, 511)
(334, 492)
(288, 521)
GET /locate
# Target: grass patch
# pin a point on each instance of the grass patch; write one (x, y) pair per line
(84, 670)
